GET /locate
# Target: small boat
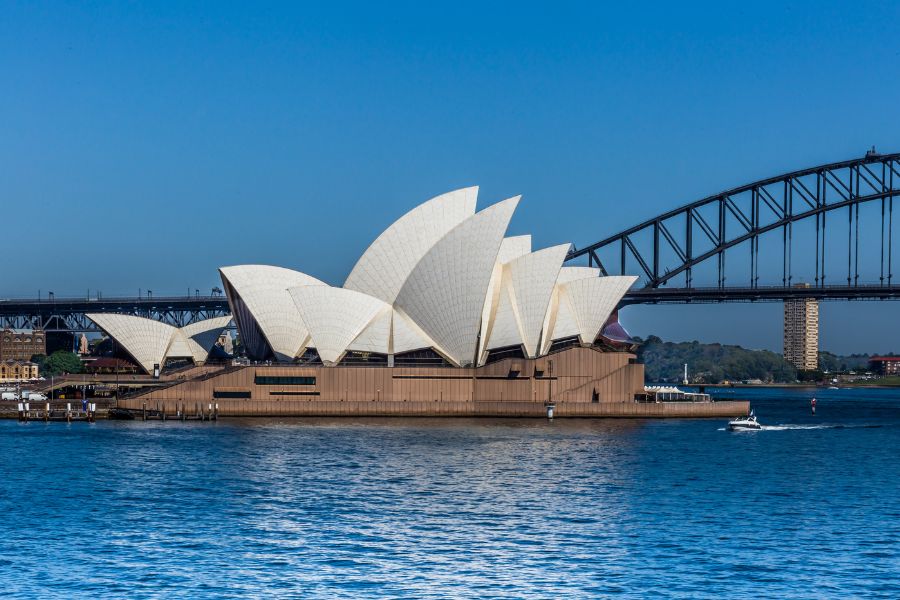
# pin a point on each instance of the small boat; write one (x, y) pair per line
(748, 423)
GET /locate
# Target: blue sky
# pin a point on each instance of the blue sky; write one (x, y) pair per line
(143, 146)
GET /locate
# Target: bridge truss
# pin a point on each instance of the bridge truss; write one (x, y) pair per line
(68, 315)
(662, 250)
(671, 246)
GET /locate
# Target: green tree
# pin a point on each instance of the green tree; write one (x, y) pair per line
(61, 362)
(710, 363)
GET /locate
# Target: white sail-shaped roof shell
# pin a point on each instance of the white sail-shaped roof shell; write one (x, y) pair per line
(263, 289)
(407, 336)
(376, 337)
(567, 274)
(502, 329)
(526, 290)
(335, 317)
(179, 347)
(151, 342)
(146, 340)
(387, 263)
(559, 321)
(446, 291)
(510, 248)
(513, 247)
(589, 302)
(200, 337)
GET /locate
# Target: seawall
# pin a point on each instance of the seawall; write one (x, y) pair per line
(323, 408)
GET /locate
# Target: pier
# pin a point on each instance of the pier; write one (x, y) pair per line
(47, 412)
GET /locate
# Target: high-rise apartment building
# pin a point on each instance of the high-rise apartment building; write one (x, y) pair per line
(801, 332)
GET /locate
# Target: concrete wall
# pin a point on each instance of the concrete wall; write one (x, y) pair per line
(512, 387)
(319, 408)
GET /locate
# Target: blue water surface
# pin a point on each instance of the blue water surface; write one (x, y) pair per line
(464, 508)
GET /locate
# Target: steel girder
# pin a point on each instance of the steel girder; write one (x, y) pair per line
(759, 294)
(724, 222)
(69, 314)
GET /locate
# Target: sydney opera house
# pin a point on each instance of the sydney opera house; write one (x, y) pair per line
(442, 315)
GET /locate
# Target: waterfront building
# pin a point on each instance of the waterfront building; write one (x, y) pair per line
(22, 344)
(18, 370)
(442, 283)
(885, 365)
(801, 332)
(442, 315)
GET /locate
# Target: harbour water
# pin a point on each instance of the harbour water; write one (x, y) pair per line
(429, 508)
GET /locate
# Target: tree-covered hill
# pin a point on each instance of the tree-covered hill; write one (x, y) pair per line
(711, 363)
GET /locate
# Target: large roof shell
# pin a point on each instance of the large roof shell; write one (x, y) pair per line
(151, 342)
(201, 336)
(559, 321)
(263, 290)
(567, 274)
(529, 281)
(513, 247)
(406, 335)
(592, 300)
(335, 317)
(386, 265)
(376, 337)
(510, 248)
(146, 340)
(446, 291)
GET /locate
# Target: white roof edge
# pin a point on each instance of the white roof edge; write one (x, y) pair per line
(334, 317)
(446, 291)
(384, 267)
(145, 340)
(263, 290)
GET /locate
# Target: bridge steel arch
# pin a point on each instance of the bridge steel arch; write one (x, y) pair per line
(68, 314)
(813, 193)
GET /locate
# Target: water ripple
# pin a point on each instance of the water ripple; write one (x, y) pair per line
(421, 508)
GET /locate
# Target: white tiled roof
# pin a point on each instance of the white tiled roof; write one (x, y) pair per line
(385, 266)
(445, 292)
(151, 342)
(264, 290)
(442, 277)
(335, 317)
(201, 336)
(146, 340)
(591, 301)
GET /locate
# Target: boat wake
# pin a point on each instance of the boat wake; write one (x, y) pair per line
(788, 427)
(791, 427)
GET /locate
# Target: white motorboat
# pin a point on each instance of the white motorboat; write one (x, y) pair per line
(748, 423)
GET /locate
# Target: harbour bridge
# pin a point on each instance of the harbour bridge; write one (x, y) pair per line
(749, 244)
(68, 314)
(806, 226)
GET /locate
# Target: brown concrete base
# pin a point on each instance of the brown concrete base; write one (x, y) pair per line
(319, 408)
(582, 381)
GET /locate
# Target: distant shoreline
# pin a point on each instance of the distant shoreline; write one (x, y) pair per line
(793, 385)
